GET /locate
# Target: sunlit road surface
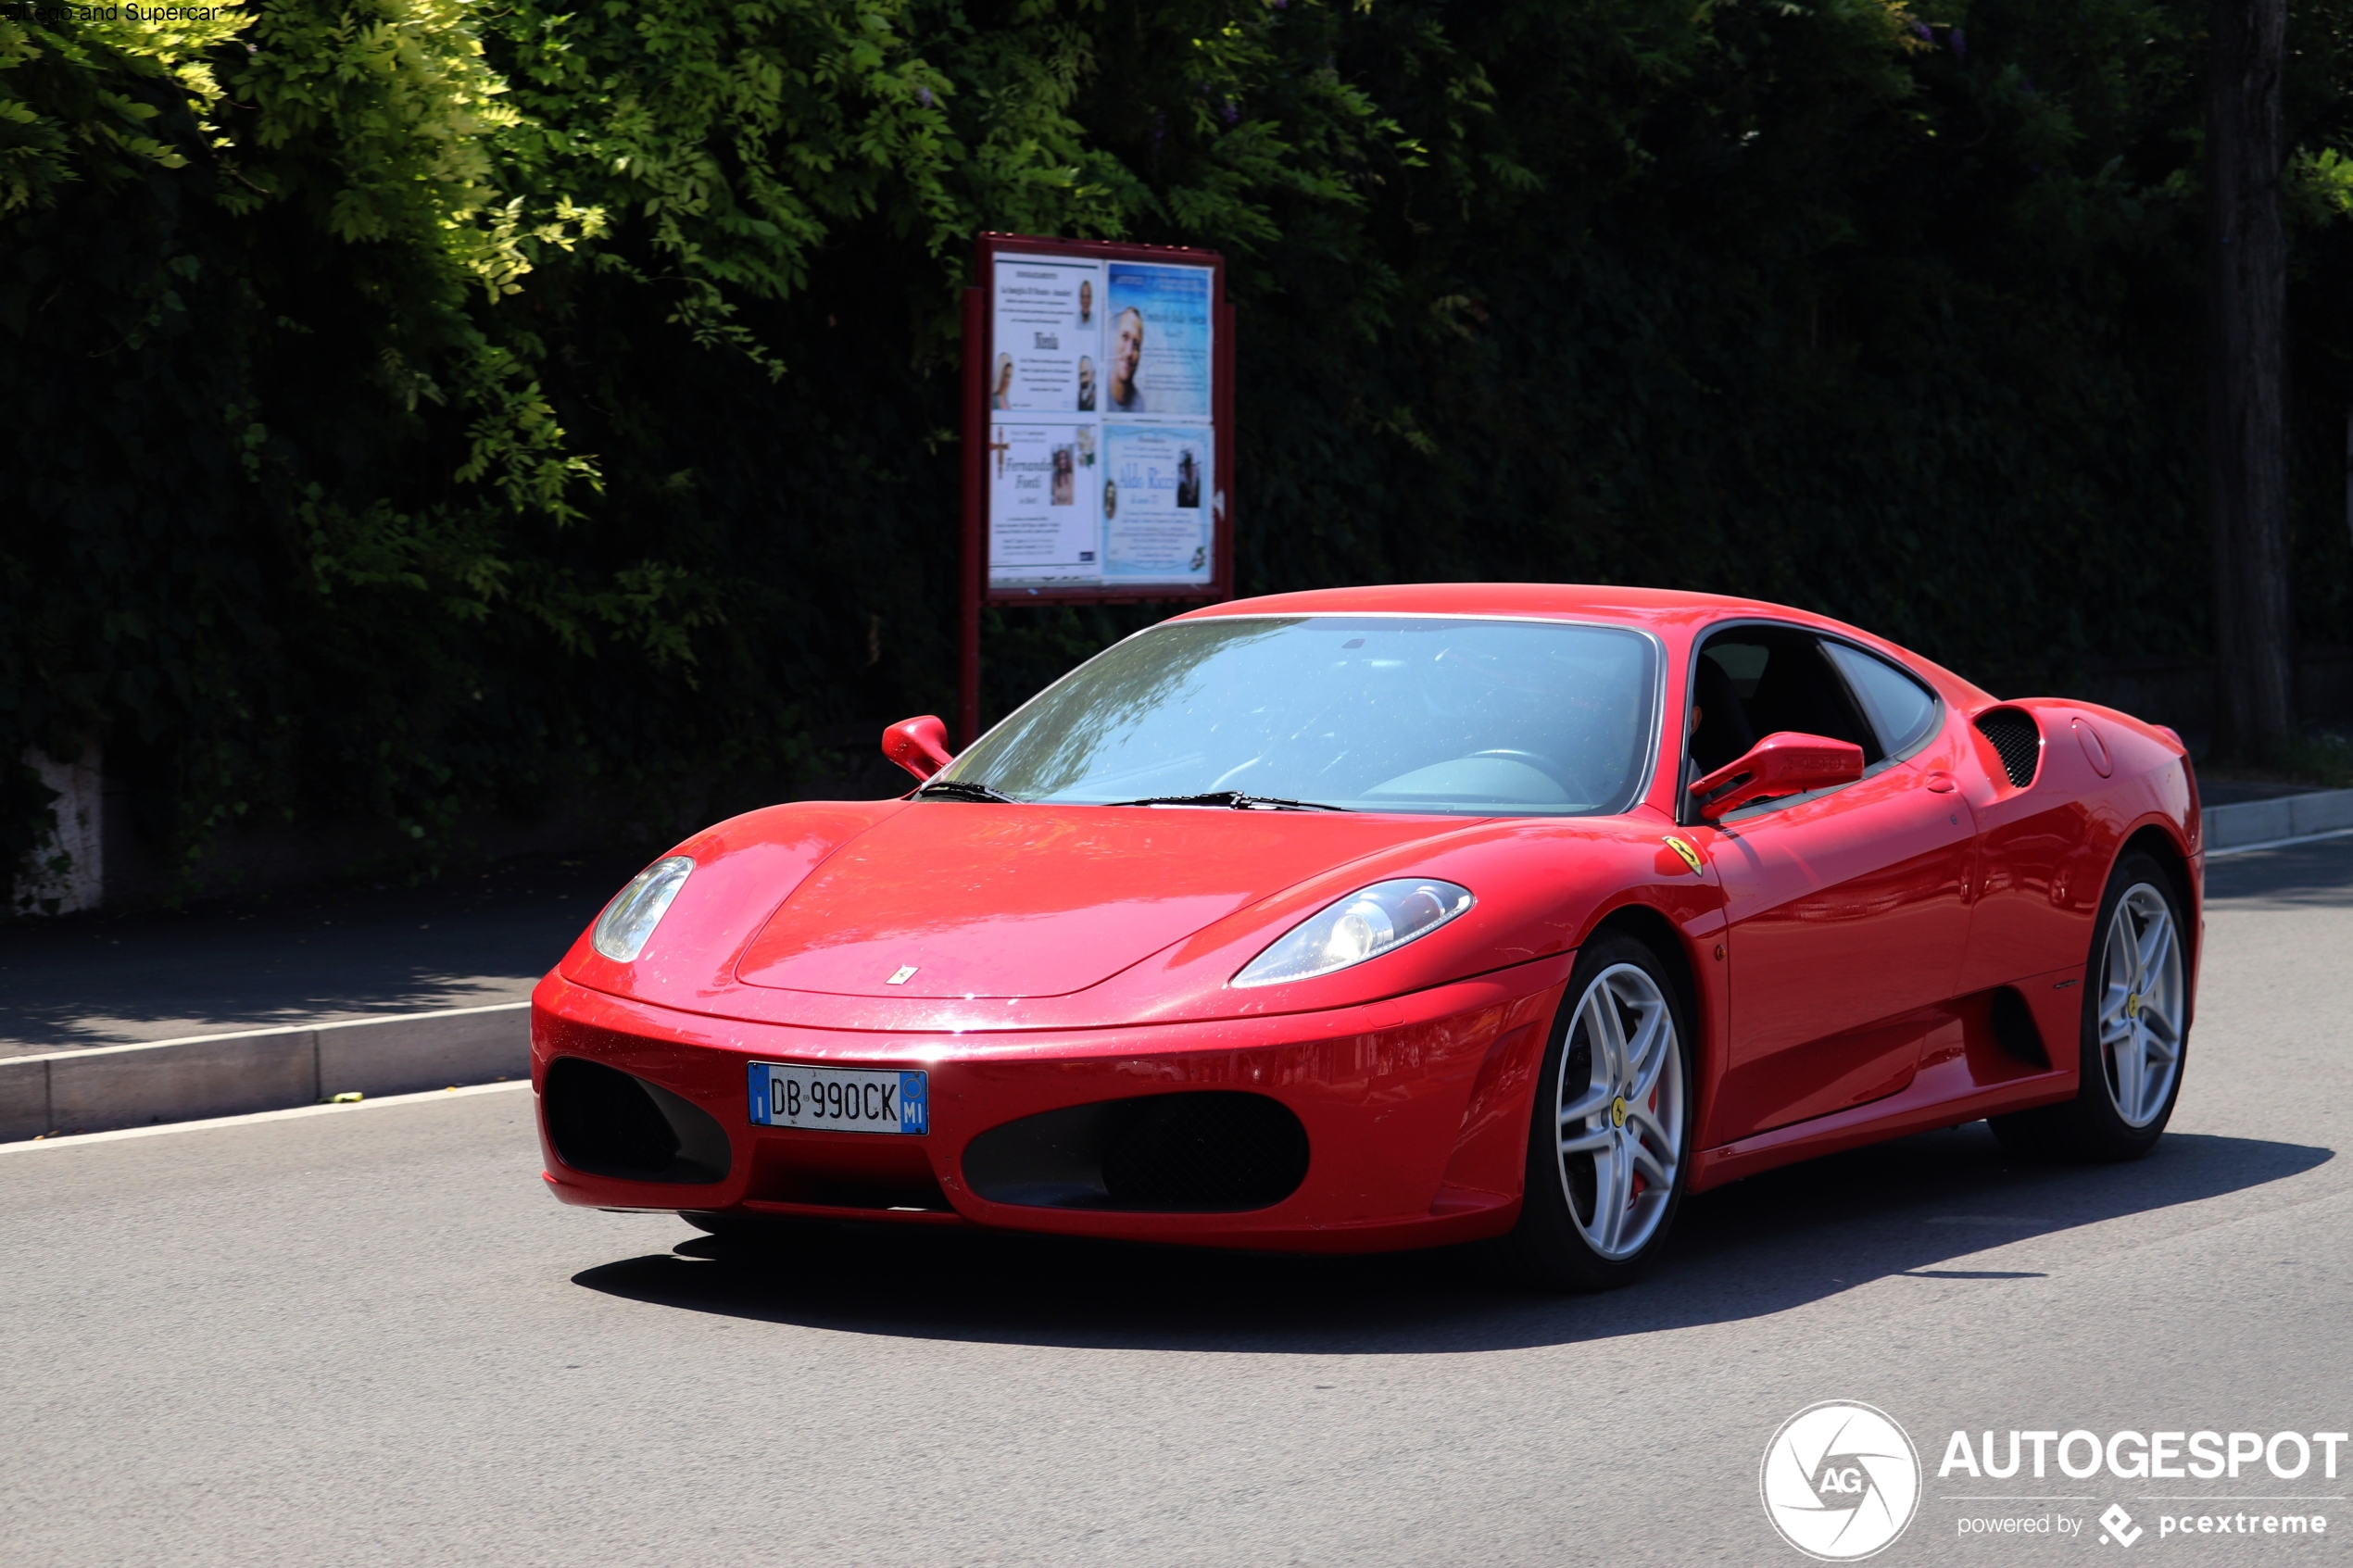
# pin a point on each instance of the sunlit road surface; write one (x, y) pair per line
(371, 1339)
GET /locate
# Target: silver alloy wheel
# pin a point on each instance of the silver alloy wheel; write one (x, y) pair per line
(2141, 1005)
(1620, 1095)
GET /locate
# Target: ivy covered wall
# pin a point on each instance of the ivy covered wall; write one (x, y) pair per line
(422, 408)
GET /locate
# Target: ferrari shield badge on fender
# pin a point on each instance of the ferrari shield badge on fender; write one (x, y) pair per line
(1690, 855)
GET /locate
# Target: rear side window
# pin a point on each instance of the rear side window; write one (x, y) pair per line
(1900, 709)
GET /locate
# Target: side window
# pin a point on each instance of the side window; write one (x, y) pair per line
(1900, 709)
(1752, 680)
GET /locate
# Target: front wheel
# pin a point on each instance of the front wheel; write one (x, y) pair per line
(2135, 1029)
(1611, 1130)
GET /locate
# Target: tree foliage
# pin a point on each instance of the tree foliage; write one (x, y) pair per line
(421, 407)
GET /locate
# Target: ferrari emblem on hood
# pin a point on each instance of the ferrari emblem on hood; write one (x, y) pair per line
(905, 972)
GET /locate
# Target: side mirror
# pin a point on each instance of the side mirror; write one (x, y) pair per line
(1782, 763)
(919, 745)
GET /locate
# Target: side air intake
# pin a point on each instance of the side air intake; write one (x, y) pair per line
(2019, 740)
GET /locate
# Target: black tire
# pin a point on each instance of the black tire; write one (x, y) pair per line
(2090, 1129)
(1550, 1245)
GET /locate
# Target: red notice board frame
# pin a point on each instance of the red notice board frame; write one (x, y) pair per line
(974, 590)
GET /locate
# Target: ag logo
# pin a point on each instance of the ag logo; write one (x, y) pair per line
(1840, 1481)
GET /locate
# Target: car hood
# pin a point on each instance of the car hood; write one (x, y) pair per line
(967, 900)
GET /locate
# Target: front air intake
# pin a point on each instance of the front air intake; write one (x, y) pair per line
(608, 1122)
(1205, 1151)
(2019, 740)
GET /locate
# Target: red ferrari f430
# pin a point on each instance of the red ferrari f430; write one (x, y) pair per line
(1389, 917)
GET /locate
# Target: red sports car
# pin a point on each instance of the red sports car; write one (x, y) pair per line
(1387, 917)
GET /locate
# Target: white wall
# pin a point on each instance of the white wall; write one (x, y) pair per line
(64, 874)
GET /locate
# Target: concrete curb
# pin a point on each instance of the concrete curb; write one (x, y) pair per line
(260, 1118)
(2272, 822)
(207, 1075)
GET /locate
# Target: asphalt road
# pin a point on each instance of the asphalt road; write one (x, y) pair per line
(368, 1337)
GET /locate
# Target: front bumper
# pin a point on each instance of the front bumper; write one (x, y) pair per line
(1415, 1111)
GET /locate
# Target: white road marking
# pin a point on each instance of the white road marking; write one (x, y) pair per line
(74, 1140)
(77, 1053)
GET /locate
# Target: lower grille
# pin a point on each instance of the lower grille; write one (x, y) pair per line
(608, 1122)
(1208, 1152)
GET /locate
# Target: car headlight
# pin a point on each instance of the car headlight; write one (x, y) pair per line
(1365, 924)
(620, 933)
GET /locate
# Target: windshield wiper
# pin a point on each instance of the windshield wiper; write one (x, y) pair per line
(1234, 798)
(959, 789)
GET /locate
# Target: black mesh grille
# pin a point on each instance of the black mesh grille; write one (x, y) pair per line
(1205, 1150)
(2017, 739)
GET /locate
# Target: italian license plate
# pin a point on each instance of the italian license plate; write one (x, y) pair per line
(841, 1100)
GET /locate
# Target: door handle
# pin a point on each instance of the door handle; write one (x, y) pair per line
(1940, 782)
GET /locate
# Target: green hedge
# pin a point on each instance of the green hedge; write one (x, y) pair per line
(421, 408)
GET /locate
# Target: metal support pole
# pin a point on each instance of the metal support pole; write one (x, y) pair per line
(974, 566)
(1222, 415)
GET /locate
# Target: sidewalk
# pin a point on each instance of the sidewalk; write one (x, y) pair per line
(110, 1021)
(483, 938)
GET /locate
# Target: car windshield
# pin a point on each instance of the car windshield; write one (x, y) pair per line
(1362, 714)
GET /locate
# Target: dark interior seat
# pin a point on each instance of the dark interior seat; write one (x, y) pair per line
(1724, 732)
(1800, 692)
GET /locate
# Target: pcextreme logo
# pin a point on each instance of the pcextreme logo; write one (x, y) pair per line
(1841, 1480)
(2118, 1526)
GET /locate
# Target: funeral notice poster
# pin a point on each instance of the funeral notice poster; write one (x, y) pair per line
(1041, 504)
(1048, 336)
(1159, 340)
(1156, 527)
(1101, 441)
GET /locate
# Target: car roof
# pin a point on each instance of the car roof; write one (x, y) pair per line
(1671, 612)
(1656, 608)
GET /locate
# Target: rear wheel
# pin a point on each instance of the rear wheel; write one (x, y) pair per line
(2134, 1036)
(1608, 1143)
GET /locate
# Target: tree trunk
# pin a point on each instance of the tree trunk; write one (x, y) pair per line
(2246, 382)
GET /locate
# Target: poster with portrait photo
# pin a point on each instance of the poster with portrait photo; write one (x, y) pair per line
(1156, 354)
(1043, 523)
(1047, 329)
(1157, 501)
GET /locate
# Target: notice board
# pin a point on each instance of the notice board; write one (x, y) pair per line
(1099, 390)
